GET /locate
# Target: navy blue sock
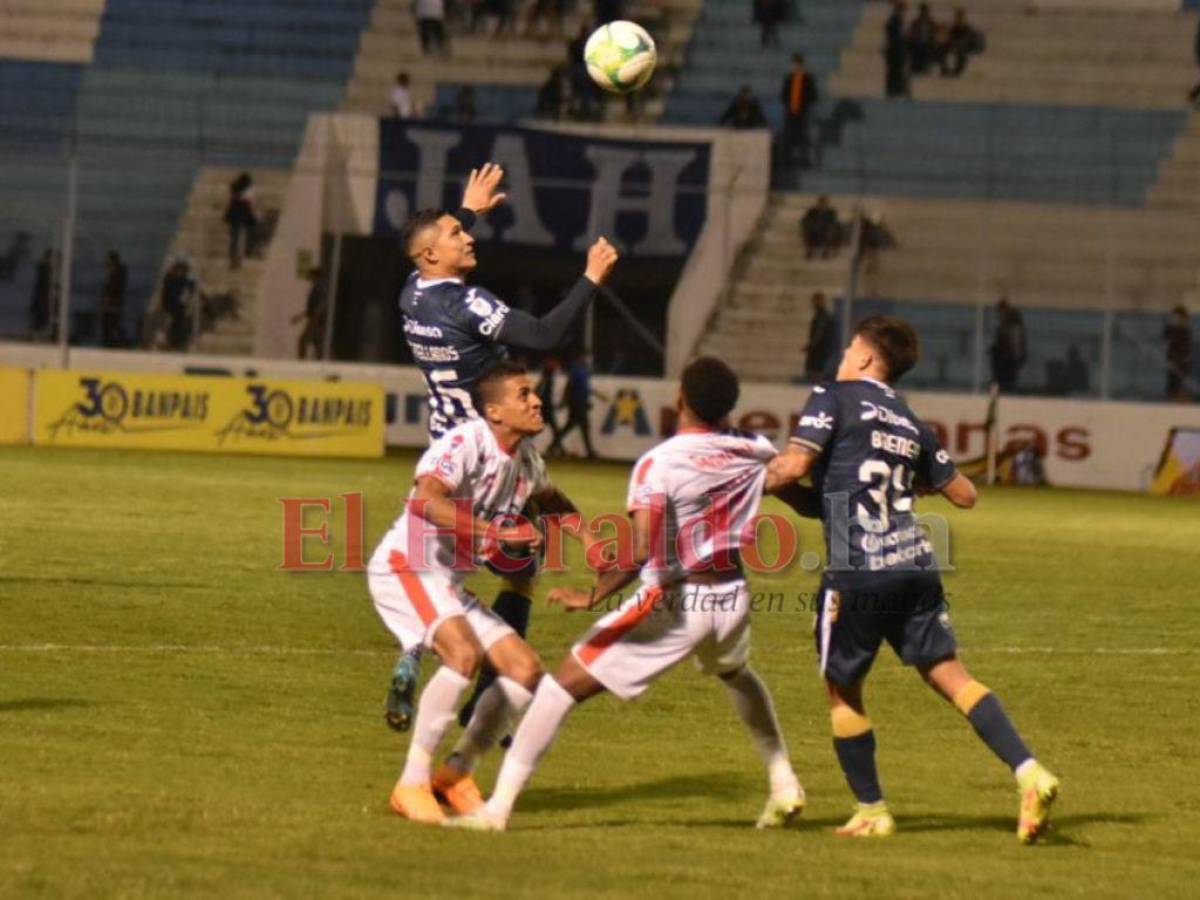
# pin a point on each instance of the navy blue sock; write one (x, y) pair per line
(857, 757)
(993, 726)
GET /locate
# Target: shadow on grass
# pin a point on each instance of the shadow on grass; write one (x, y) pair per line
(717, 785)
(30, 703)
(1055, 835)
(99, 582)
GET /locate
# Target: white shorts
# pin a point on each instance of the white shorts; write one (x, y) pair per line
(413, 604)
(628, 648)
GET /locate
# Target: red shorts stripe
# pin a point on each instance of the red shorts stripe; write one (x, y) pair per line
(610, 634)
(411, 582)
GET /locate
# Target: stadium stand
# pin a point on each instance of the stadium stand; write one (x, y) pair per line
(174, 85)
(505, 70)
(1069, 209)
(725, 53)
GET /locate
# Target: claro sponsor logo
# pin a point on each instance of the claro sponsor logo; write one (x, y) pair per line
(108, 407)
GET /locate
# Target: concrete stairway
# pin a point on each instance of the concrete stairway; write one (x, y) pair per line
(1133, 58)
(762, 326)
(203, 237)
(390, 44)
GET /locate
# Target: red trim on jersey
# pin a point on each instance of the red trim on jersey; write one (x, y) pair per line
(411, 583)
(610, 634)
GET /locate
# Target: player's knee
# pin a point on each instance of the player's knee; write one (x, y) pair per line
(526, 671)
(464, 659)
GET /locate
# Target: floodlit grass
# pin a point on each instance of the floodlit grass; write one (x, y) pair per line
(178, 717)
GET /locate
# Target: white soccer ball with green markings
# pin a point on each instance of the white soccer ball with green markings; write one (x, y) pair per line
(620, 56)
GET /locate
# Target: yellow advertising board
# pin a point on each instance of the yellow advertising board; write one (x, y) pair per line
(14, 406)
(225, 415)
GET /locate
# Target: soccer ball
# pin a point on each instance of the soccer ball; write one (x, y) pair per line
(620, 56)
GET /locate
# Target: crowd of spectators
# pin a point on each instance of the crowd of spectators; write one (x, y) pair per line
(920, 46)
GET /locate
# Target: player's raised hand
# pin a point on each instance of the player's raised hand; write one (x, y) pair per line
(570, 599)
(480, 195)
(601, 258)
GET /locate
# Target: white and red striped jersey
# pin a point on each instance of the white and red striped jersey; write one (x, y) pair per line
(477, 470)
(703, 489)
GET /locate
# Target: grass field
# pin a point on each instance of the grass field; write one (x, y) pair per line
(178, 717)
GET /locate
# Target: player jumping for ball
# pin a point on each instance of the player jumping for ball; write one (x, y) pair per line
(472, 476)
(691, 499)
(865, 450)
(455, 332)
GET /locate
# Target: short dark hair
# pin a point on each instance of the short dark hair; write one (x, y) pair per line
(894, 340)
(488, 384)
(417, 222)
(710, 389)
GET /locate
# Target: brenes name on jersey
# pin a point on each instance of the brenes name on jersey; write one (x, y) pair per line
(451, 329)
(870, 450)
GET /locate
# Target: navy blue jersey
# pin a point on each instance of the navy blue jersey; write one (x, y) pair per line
(870, 449)
(452, 329)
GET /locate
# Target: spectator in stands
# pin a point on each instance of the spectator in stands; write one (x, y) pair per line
(822, 347)
(895, 52)
(606, 11)
(112, 301)
(1194, 96)
(1079, 380)
(431, 25)
(241, 216)
(42, 300)
(314, 316)
(743, 111)
(769, 14)
(585, 95)
(954, 44)
(177, 289)
(464, 105)
(552, 95)
(820, 229)
(799, 95)
(920, 40)
(1178, 335)
(545, 10)
(403, 105)
(1008, 349)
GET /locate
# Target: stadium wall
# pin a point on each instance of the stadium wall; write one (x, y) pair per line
(1086, 444)
(335, 182)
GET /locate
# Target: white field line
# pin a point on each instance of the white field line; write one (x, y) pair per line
(268, 650)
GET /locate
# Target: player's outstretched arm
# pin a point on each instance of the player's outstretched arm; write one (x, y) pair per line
(788, 467)
(432, 502)
(613, 579)
(960, 491)
(526, 332)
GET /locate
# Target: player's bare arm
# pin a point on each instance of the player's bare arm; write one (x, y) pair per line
(438, 508)
(960, 491)
(613, 579)
(789, 467)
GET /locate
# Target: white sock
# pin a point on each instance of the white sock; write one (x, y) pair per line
(551, 705)
(753, 703)
(436, 711)
(497, 709)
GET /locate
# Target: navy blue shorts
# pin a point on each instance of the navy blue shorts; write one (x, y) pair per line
(857, 613)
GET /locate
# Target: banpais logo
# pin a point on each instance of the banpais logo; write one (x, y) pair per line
(108, 406)
(273, 414)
